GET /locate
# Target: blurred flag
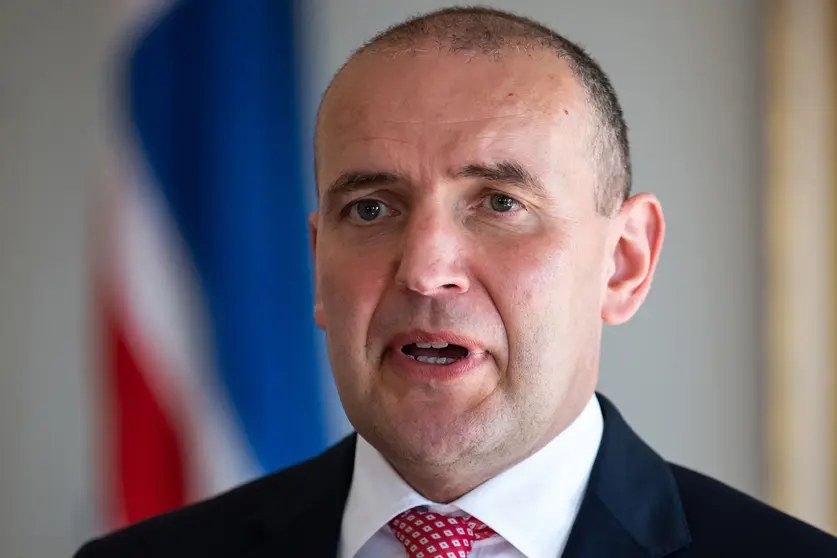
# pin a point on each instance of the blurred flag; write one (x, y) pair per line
(213, 367)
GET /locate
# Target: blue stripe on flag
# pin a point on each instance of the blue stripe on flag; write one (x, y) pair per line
(213, 94)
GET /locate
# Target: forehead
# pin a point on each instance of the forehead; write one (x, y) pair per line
(442, 109)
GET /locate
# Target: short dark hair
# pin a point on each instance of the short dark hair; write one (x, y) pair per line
(490, 31)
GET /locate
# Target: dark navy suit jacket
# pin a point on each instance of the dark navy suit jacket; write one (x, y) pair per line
(636, 505)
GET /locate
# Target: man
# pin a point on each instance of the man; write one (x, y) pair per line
(474, 232)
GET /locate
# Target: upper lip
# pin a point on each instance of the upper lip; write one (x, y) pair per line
(449, 337)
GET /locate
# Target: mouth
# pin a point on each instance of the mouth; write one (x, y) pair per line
(435, 353)
(435, 357)
(442, 348)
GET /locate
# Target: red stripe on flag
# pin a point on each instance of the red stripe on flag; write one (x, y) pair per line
(146, 453)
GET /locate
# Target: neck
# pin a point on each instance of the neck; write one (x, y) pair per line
(445, 484)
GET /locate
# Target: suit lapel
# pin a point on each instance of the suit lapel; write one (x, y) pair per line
(598, 533)
(632, 506)
(306, 520)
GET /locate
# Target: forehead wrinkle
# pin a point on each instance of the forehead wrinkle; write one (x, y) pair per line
(362, 139)
(458, 120)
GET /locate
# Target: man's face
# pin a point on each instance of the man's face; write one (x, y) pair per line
(457, 206)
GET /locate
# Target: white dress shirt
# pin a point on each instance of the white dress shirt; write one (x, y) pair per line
(532, 506)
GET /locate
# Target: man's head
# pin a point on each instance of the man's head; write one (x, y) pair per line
(473, 174)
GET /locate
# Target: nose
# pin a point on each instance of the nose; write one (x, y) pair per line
(432, 259)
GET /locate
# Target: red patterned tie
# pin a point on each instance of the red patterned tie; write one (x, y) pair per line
(432, 535)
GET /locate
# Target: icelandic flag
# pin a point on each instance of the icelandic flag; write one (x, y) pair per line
(214, 371)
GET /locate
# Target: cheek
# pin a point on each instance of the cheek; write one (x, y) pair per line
(534, 293)
(525, 289)
(536, 271)
(350, 285)
(556, 269)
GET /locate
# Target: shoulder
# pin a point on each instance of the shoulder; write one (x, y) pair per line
(188, 528)
(219, 525)
(726, 522)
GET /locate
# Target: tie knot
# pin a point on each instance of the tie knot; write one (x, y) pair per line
(433, 535)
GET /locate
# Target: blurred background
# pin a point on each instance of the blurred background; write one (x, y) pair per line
(156, 344)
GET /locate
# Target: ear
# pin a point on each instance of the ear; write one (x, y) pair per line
(640, 228)
(319, 315)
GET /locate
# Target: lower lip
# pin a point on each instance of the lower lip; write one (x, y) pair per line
(422, 371)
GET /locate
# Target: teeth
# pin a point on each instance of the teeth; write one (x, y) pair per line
(434, 360)
(431, 345)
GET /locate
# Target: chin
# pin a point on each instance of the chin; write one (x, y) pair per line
(435, 442)
(429, 430)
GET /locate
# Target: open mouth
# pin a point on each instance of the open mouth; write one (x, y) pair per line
(435, 353)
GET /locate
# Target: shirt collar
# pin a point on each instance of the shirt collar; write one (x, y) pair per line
(532, 505)
(378, 493)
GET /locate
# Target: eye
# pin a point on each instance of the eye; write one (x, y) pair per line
(366, 211)
(501, 203)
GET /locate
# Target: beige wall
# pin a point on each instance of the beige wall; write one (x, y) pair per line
(802, 259)
(686, 372)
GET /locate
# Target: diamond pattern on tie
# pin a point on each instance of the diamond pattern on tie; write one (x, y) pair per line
(432, 535)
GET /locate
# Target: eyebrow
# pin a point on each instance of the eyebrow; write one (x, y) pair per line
(353, 181)
(505, 172)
